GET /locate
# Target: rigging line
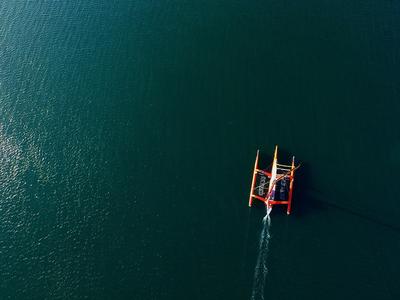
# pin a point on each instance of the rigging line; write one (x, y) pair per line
(259, 186)
(280, 178)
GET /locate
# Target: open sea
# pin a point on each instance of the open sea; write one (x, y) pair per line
(128, 133)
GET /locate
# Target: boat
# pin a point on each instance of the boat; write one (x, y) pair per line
(273, 185)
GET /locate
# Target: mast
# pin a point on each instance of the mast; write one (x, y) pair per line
(272, 182)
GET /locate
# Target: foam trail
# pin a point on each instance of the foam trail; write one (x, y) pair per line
(261, 269)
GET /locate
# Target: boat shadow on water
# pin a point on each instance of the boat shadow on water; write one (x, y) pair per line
(305, 201)
(308, 199)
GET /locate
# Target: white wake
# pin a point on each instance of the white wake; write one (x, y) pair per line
(261, 268)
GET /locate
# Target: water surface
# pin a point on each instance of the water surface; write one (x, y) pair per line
(128, 131)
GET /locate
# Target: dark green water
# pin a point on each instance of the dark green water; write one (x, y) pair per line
(128, 132)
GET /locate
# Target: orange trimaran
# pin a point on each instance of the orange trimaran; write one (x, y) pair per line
(280, 180)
